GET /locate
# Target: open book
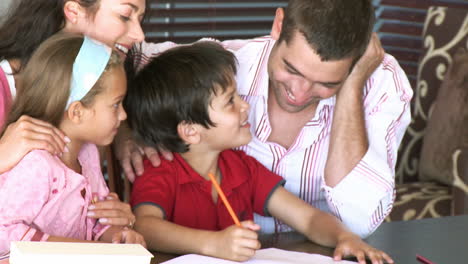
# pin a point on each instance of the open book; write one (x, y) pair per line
(263, 256)
(26, 252)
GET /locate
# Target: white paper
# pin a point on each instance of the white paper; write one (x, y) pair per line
(262, 256)
(27, 252)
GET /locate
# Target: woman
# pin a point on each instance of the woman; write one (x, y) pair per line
(29, 23)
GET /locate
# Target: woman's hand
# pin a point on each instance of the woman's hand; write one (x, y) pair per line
(27, 134)
(112, 211)
(131, 155)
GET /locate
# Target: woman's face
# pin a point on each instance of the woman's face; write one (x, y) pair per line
(116, 23)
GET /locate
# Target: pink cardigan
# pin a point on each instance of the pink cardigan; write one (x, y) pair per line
(41, 197)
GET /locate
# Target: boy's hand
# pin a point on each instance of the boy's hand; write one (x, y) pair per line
(128, 236)
(236, 243)
(352, 245)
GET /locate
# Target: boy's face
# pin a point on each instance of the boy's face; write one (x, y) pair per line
(229, 112)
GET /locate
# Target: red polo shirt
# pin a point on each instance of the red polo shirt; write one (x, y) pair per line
(185, 196)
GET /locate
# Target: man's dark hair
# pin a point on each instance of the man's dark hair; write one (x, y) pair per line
(335, 29)
(177, 86)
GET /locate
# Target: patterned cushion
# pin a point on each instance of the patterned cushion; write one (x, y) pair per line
(443, 33)
(447, 125)
(460, 183)
(420, 200)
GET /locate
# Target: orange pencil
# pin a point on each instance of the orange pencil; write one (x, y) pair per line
(224, 199)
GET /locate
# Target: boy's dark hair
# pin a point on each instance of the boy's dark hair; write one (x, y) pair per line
(177, 86)
(335, 29)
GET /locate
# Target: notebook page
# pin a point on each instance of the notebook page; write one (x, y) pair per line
(262, 256)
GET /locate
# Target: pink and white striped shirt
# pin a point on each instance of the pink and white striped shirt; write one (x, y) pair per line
(365, 196)
(42, 197)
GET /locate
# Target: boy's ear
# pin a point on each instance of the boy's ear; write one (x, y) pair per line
(75, 112)
(73, 11)
(190, 133)
(277, 24)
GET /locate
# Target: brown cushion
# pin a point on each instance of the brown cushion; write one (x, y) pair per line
(447, 128)
(420, 200)
(441, 27)
(460, 188)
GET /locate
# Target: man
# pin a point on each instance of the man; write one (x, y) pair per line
(321, 116)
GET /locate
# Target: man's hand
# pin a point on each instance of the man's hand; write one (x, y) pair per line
(369, 61)
(352, 245)
(27, 134)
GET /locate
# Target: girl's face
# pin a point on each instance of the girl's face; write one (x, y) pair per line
(102, 119)
(116, 23)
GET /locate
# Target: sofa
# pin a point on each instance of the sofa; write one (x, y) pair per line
(432, 171)
(421, 190)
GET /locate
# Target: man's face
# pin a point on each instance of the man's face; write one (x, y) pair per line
(298, 77)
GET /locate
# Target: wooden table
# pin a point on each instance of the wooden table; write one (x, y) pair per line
(441, 240)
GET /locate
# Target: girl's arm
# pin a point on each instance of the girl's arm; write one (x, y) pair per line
(233, 243)
(321, 228)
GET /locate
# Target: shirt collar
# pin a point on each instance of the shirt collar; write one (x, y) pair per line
(228, 182)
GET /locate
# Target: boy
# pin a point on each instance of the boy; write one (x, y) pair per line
(185, 101)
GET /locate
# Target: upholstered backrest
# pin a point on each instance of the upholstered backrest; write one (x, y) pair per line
(445, 30)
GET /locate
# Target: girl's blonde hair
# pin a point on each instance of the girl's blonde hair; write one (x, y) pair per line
(45, 81)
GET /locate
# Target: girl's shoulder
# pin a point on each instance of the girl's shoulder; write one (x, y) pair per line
(40, 158)
(36, 167)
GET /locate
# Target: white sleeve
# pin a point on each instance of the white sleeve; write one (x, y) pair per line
(365, 196)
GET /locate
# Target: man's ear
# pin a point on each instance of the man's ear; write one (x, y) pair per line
(277, 24)
(75, 112)
(190, 133)
(73, 11)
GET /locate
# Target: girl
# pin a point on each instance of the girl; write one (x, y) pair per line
(113, 22)
(77, 85)
(29, 23)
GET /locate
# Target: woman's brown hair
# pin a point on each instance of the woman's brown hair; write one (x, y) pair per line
(45, 83)
(30, 22)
